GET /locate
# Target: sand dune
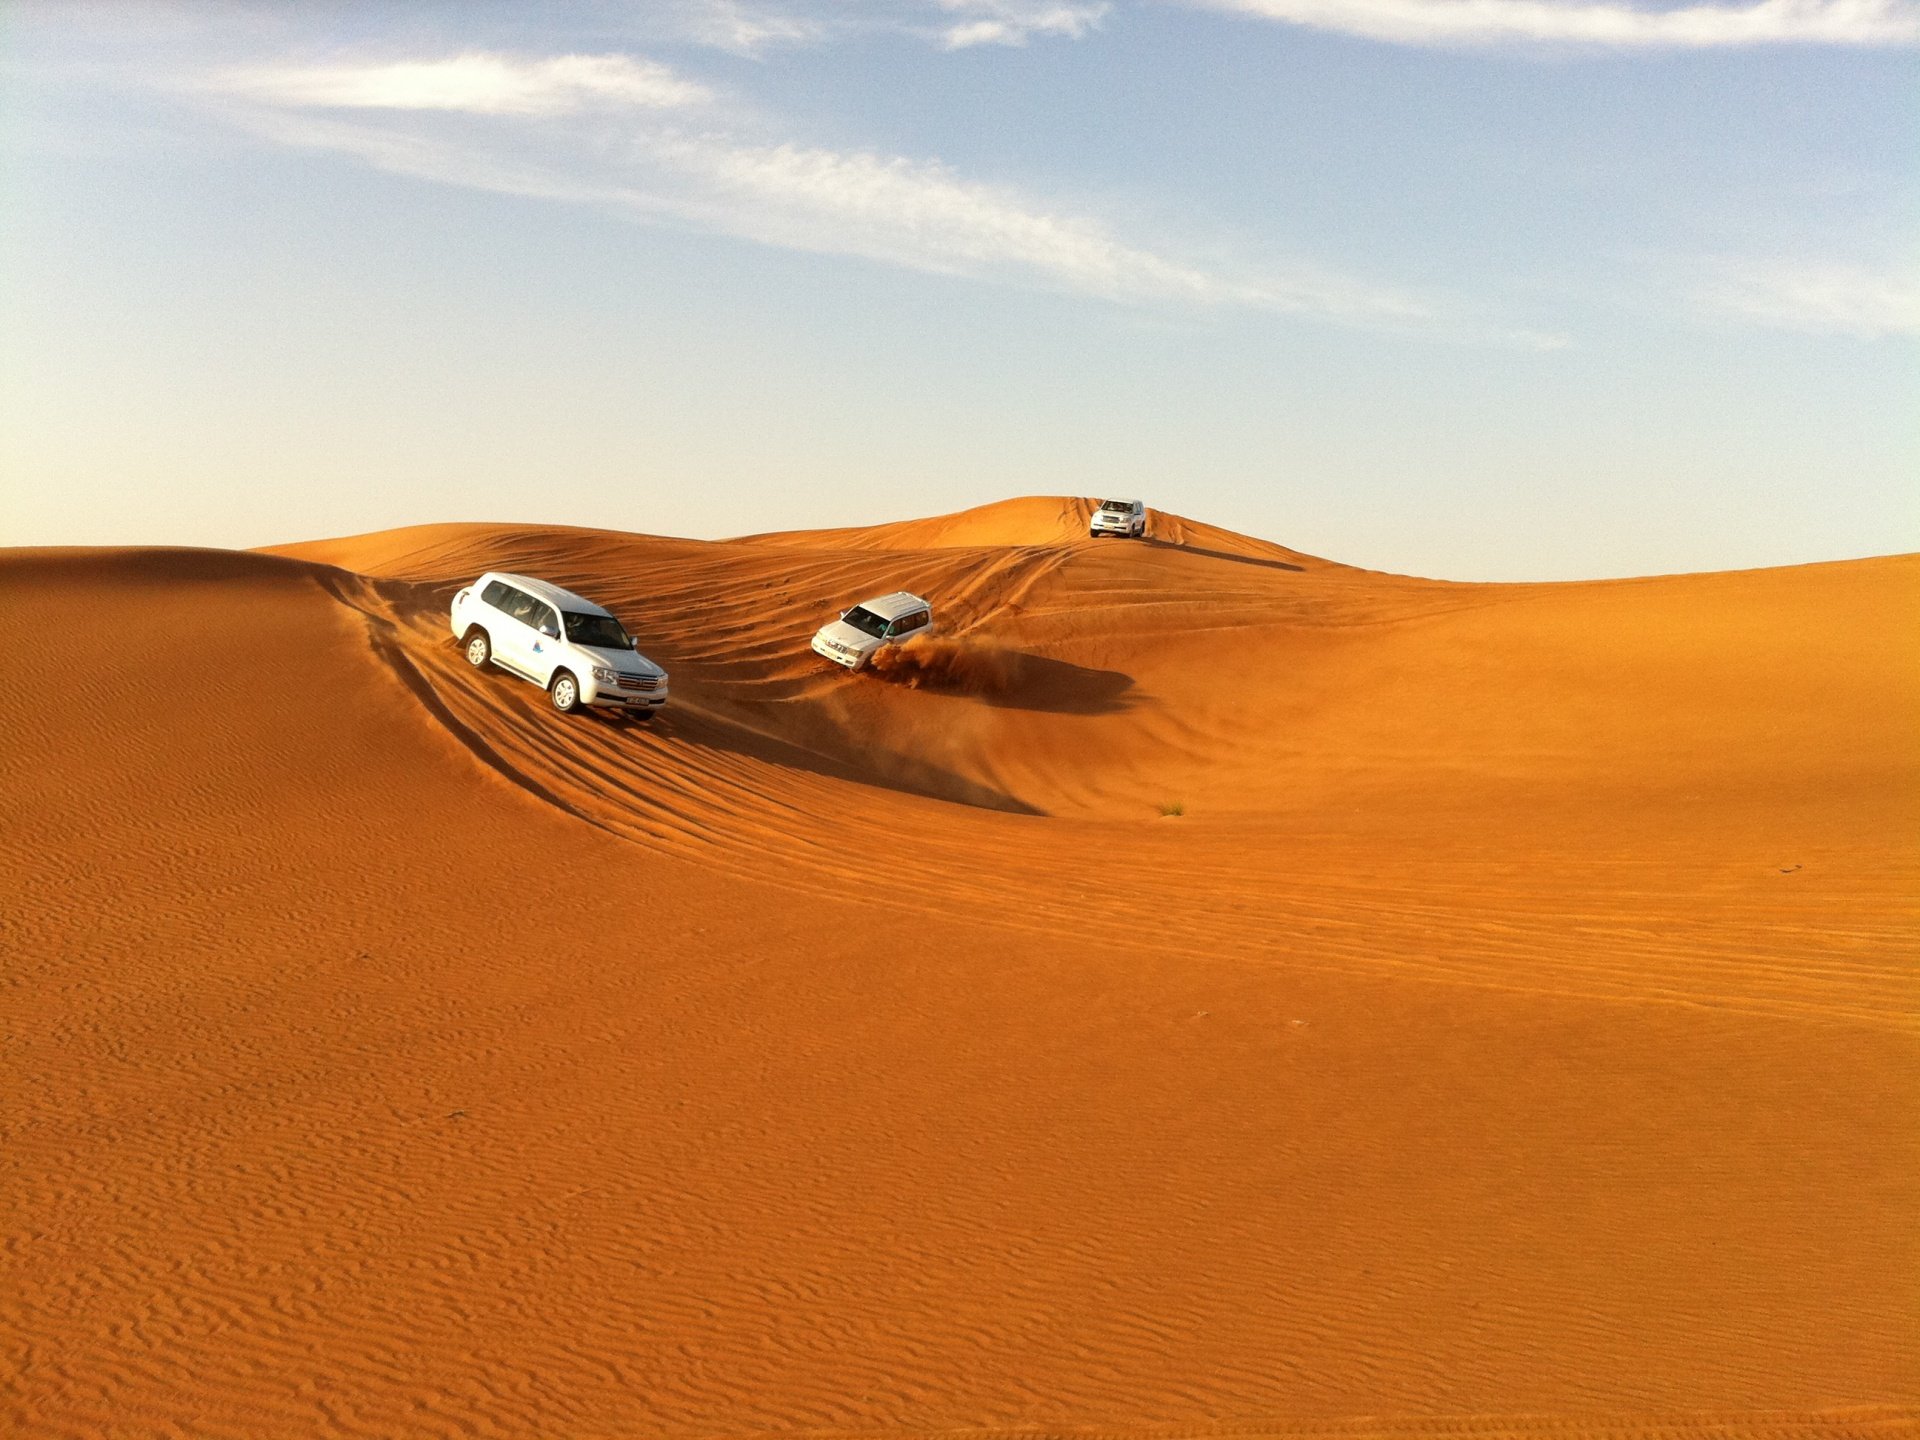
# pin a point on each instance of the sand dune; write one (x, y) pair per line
(1512, 1032)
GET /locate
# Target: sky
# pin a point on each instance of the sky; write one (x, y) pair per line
(1475, 289)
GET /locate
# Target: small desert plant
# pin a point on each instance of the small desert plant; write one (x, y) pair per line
(1173, 807)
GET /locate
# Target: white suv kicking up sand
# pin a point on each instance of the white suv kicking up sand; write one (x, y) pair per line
(885, 620)
(570, 647)
(1118, 517)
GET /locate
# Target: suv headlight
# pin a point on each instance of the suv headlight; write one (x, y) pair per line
(605, 677)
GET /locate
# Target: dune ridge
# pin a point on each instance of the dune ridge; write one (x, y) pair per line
(1512, 1035)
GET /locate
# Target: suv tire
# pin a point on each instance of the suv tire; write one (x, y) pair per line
(565, 692)
(479, 648)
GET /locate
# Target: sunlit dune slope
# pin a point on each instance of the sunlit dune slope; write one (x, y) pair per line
(1212, 991)
(1109, 677)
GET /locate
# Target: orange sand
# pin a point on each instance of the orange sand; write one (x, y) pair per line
(1513, 1035)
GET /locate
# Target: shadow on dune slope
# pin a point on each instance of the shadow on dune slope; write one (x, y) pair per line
(884, 768)
(160, 565)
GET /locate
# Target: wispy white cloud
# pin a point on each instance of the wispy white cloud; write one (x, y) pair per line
(506, 127)
(923, 216)
(744, 28)
(1818, 298)
(479, 84)
(1497, 22)
(751, 27)
(1014, 22)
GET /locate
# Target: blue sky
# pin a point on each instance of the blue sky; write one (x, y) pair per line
(1482, 289)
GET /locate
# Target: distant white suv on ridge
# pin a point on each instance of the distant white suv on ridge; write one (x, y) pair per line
(885, 620)
(1118, 517)
(568, 646)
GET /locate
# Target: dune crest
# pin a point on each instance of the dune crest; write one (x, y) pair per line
(1031, 520)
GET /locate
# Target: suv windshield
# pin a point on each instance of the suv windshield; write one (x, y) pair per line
(1124, 507)
(865, 621)
(598, 632)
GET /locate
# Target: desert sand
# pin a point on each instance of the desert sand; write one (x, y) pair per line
(1215, 991)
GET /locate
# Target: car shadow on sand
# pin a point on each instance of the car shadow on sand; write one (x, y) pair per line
(692, 725)
(1006, 679)
(1154, 544)
(1059, 687)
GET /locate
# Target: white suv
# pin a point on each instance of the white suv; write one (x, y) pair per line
(1118, 517)
(886, 620)
(571, 648)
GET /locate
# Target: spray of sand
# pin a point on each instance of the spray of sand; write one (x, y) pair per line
(942, 663)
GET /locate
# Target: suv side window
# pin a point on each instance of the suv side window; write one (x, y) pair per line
(516, 605)
(542, 618)
(496, 593)
(915, 621)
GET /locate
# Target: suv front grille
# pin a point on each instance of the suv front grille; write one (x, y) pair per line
(639, 682)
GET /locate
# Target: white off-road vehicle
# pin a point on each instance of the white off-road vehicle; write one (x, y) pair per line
(1119, 517)
(886, 620)
(568, 646)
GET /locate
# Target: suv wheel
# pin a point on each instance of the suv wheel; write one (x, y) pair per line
(479, 649)
(565, 692)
